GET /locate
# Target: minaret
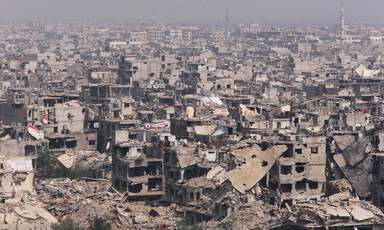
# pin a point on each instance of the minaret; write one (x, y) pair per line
(226, 24)
(153, 21)
(342, 29)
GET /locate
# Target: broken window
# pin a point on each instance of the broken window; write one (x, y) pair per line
(300, 167)
(289, 152)
(288, 202)
(190, 173)
(29, 149)
(92, 142)
(116, 114)
(135, 188)
(155, 184)
(301, 186)
(313, 184)
(70, 116)
(286, 188)
(285, 170)
(136, 171)
(315, 150)
(71, 144)
(151, 169)
(230, 131)
(264, 163)
(191, 195)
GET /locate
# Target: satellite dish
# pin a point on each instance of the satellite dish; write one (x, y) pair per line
(147, 126)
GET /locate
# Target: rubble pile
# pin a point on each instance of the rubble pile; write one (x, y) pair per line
(252, 215)
(84, 199)
(333, 214)
(252, 127)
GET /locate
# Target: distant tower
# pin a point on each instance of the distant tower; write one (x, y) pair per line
(342, 29)
(153, 18)
(226, 24)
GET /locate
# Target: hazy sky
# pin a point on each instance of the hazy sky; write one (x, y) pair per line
(265, 12)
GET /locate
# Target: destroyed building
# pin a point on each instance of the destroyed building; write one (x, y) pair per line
(247, 127)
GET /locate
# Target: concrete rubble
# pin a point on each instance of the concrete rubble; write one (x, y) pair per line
(155, 125)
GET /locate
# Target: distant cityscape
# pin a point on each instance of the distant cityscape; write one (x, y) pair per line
(153, 126)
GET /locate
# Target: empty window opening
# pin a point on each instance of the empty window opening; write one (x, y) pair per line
(286, 188)
(287, 202)
(230, 131)
(155, 184)
(71, 144)
(135, 188)
(313, 184)
(301, 186)
(136, 171)
(289, 152)
(300, 167)
(299, 151)
(285, 170)
(315, 150)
